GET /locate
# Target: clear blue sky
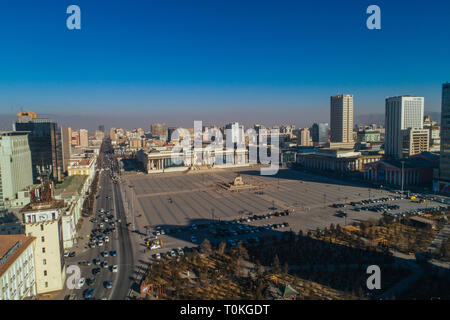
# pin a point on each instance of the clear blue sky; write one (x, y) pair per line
(262, 60)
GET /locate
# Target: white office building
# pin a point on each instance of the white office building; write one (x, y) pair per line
(15, 165)
(402, 113)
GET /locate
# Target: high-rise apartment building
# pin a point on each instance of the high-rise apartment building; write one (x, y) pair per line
(402, 113)
(304, 137)
(84, 138)
(444, 165)
(341, 118)
(66, 146)
(15, 164)
(45, 144)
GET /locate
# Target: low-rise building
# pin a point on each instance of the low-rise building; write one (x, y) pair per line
(17, 272)
(413, 171)
(165, 160)
(84, 167)
(336, 160)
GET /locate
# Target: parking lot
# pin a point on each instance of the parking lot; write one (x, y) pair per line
(175, 202)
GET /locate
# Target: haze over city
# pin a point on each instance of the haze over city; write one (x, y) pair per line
(255, 62)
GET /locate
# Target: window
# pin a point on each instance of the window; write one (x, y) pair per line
(44, 262)
(43, 239)
(43, 250)
(46, 284)
(45, 272)
(42, 227)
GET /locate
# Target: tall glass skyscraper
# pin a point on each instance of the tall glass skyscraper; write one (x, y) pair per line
(444, 166)
(319, 133)
(45, 144)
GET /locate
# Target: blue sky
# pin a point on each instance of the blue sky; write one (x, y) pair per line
(267, 60)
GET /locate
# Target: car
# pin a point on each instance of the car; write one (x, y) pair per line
(173, 253)
(89, 263)
(106, 239)
(108, 284)
(115, 268)
(89, 293)
(157, 255)
(194, 239)
(180, 251)
(105, 254)
(105, 264)
(100, 243)
(97, 261)
(95, 271)
(66, 254)
(81, 282)
(113, 253)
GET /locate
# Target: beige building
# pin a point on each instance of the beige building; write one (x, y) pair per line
(336, 160)
(84, 138)
(17, 262)
(304, 138)
(84, 167)
(415, 141)
(43, 221)
(341, 118)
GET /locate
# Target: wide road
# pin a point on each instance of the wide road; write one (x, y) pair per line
(125, 253)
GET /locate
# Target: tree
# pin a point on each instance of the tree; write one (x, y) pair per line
(221, 248)
(242, 251)
(206, 247)
(286, 268)
(276, 265)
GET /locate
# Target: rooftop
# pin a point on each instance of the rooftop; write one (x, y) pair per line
(71, 185)
(11, 247)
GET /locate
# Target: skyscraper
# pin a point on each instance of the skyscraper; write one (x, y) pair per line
(304, 137)
(402, 113)
(66, 142)
(444, 165)
(319, 133)
(15, 164)
(45, 145)
(84, 138)
(341, 118)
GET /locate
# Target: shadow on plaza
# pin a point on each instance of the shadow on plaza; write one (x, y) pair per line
(334, 265)
(300, 174)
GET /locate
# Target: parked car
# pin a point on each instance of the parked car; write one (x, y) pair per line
(89, 293)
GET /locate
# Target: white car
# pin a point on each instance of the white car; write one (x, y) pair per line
(81, 282)
(100, 243)
(106, 239)
(115, 268)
